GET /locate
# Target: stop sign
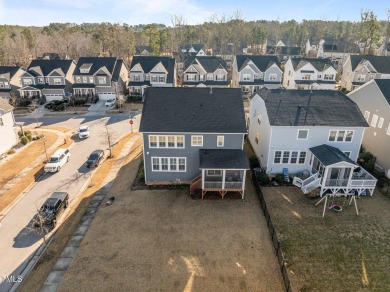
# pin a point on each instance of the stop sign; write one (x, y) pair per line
(131, 122)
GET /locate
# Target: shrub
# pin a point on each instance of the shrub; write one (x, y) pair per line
(60, 107)
(11, 151)
(29, 137)
(24, 102)
(141, 174)
(279, 178)
(262, 178)
(253, 161)
(24, 140)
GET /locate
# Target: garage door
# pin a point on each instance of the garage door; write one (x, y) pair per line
(106, 95)
(50, 97)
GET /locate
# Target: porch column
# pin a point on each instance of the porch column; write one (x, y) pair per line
(243, 184)
(324, 178)
(223, 178)
(350, 180)
(202, 179)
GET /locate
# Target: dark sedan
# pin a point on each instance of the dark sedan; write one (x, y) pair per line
(94, 159)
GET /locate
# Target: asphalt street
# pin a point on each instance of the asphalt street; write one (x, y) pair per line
(17, 242)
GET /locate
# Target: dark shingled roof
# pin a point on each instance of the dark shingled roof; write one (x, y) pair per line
(47, 66)
(384, 86)
(197, 47)
(288, 107)
(149, 62)
(193, 110)
(318, 63)
(9, 69)
(97, 63)
(117, 70)
(261, 62)
(139, 49)
(380, 63)
(341, 47)
(223, 159)
(209, 63)
(329, 155)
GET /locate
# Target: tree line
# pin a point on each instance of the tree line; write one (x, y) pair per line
(221, 33)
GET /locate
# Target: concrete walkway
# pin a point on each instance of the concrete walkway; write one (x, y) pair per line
(57, 273)
(38, 161)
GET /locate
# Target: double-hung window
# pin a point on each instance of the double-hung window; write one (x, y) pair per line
(220, 141)
(278, 156)
(246, 77)
(162, 141)
(196, 140)
(272, 77)
(303, 134)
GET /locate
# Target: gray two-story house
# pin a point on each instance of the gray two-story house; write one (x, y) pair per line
(205, 71)
(251, 73)
(146, 71)
(10, 81)
(358, 70)
(195, 136)
(51, 78)
(315, 132)
(373, 99)
(105, 77)
(309, 73)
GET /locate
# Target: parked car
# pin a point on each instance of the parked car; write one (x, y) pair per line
(84, 132)
(94, 159)
(110, 102)
(52, 209)
(58, 160)
(53, 104)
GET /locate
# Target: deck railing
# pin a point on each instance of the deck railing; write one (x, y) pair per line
(218, 185)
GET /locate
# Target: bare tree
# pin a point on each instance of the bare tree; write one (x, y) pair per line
(109, 141)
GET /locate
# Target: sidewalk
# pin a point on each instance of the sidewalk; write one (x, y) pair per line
(58, 272)
(38, 161)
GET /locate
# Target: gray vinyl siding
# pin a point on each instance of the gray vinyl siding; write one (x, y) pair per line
(273, 70)
(285, 138)
(140, 74)
(246, 71)
(51, 80)
(369, 98)
(5, 80)
(33, 81)
(191, 153)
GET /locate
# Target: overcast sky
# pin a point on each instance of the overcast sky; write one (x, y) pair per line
(43, 12)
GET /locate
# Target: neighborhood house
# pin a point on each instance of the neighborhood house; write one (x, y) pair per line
(8, 137)
(195, 136)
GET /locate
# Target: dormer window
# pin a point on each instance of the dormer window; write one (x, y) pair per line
(102, 79)
(147, 77)
(78, 79)
(90, 79)
(85, 68)
(40, 80)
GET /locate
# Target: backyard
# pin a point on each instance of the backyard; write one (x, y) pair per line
(164, 240)
(340, 252)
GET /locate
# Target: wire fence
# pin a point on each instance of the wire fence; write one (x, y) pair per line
(274, 238)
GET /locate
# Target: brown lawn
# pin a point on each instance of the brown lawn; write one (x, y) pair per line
(340, 252)
(163, 240)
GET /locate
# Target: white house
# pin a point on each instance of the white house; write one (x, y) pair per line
(373, 99)
(309, 73)
(8, 137)
(309, 131)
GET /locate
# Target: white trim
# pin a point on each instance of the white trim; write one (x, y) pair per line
(208, 174)
(166, 141)
(223, 141)
(198, 133)
(169, 166)
(307, 136)
(290, 157)
(192, 142)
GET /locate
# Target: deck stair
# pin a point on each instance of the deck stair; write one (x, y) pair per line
(196, 184)
(309, 184)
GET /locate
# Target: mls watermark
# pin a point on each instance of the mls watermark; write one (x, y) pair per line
(11, 279)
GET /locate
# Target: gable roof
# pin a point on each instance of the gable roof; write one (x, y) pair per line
(319, 63)
(149, 62)
(209, 63)
(5, 106)
(11, 70)
(288, 107)
(193, 110)
(329, 155)
(45, 67)
(261, 62)
(50, 56)
(97, 63)
(340, 47)
(117, 69)
(380, 63)
(197, 47)
(384, 87)
(139, 49)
